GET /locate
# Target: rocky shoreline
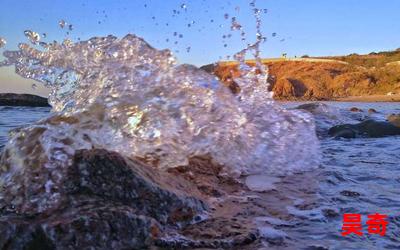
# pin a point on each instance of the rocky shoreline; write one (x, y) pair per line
(107, 201)
(28, 100)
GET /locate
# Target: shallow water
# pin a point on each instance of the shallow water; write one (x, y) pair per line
(356, 176)
(14, 117)
(305, 211)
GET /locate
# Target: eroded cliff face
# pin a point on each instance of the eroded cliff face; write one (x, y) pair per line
(316, 79)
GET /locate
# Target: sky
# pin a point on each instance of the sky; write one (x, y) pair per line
(300, 27)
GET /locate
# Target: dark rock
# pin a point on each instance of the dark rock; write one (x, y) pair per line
(369, 128)
(311, 107)
(372, 111)
(10, 99)
(350, 193)
(316, 247)
(354, 109)
(108, 202)
(330, 213)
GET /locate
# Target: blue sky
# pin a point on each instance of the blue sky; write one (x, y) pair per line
(312, 27)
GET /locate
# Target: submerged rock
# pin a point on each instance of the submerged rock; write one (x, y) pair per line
(354, 109)
(9, 99)
(369, 128)
(325, 116)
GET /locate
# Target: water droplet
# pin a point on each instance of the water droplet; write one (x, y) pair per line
(175, 33)
(225, 45)
(43, 44)
(44, 35)
(3, 42)
(265, 11)
(274, 34)
(226, 16)
(67, 42)
(188, 49)
(70, 27)
(145, 5)
(33, 37)
(235, 25)
(212, 20)
(62, 23)
(180, 35)
(183, 6)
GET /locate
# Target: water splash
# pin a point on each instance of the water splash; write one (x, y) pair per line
(123, 95)
(62, 24)
(3, 42)
(147, 106)
(33, 36)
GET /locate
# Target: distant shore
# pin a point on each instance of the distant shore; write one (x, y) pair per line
(370, 98)
(12, 99)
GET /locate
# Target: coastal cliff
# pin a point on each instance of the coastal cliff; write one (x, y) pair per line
(325, 78)
(10, 99)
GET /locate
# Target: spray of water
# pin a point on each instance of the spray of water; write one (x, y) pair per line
(123, 95)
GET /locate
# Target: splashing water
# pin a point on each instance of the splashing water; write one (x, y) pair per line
(125, 96)
(33, 36)
(62, 24)
(3, 42)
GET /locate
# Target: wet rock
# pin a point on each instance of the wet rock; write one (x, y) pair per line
(372, 111)
(108, 202)
(354, 109)
(213, 233)
(9, 99)
(369, 128)
(316, 247)
(330, 213)
(350, 193)
(394, 119)
(311, 107)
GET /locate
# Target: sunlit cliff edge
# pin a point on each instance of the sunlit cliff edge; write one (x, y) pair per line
(372, 77)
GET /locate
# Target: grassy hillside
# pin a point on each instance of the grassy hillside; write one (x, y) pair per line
(373, 59)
